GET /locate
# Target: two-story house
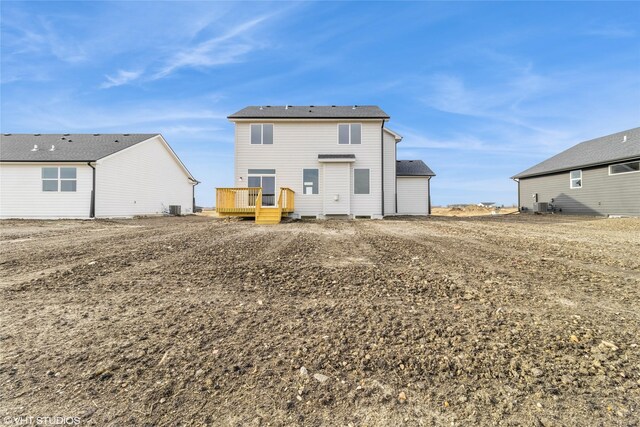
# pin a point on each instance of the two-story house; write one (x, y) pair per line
(320, 161)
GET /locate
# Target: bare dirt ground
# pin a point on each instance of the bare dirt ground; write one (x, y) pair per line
(506, 320)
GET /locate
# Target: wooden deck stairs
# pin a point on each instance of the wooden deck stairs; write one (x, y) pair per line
(269, 216)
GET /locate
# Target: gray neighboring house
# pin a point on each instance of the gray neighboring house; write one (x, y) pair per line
(596, 177)
(413, 177)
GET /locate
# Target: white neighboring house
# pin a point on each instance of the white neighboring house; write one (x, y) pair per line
(338, 160)
(91, 175)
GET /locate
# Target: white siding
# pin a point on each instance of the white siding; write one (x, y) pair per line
(389, 174)
(21, 194)
(296, 145)
(413, 195)
(142, 180)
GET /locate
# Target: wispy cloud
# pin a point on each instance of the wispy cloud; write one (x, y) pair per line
(227, 48)
(122, 77)
(611, 32)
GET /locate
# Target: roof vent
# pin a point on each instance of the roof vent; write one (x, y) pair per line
(53, 148)
(70, 141)
(7, 134)
(333, 106)
(63, 138)
(310, 111)
(126, 134)
(286, 107)
(261, 107)
(116, 141)
(96, 134)
(66, 134)
(354, 107)
(624, 138)
(311, 106)
(35, 148)
(36, 134)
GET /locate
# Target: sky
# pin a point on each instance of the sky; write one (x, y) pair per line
(479, 90)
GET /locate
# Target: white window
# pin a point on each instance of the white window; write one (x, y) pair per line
(629, 167)
(59, 179)
(310, 181)
(349, 133)
(261, 134)
(361, 181)
(575, 179)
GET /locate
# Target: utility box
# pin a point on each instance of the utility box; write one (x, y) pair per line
(175, 210)
(540, 207)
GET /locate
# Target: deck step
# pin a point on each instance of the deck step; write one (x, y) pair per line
(269, 216)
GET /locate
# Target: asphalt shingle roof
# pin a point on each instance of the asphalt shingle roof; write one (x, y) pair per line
(18, 147)
(310, 112)
(607, 149)
(413, 168)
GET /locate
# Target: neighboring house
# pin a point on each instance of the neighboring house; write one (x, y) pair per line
(487, 204)
(413, 180)
(87, 176)
(333, 160)
(596, 177)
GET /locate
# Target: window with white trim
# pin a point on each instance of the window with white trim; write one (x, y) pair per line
(629, 167)
(575, 179)
(261, 134)
(349, 133)
(59, 179)
(310, 181)
(361, 181)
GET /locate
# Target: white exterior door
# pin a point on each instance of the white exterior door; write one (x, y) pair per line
(337, 188)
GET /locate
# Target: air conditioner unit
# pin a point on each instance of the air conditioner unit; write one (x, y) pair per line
(540, 207)
(175, 210)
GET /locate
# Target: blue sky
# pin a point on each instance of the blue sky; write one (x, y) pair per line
(480, 91)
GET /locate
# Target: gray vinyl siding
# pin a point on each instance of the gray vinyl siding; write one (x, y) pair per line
(601, 193)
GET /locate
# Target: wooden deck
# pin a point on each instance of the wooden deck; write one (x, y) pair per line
(248, 202)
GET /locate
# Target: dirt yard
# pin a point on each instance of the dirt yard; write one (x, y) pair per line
(511, 320)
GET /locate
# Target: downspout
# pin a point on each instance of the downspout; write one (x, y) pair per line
(429, 196)
(92, 209)
(382, 158)
(194, 182)
(518, 181)
(395, 176)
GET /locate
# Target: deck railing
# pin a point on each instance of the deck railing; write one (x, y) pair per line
(237, 200)
(258, 203)
(286, 199)
(251, 200)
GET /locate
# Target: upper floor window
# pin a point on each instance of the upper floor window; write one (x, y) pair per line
(349, 133)
(575, 179)
(628, 167)
(262, 133)
(58, 179)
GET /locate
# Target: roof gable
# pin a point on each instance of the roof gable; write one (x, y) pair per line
(66, 147)
(607, 149)
(310, 112)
